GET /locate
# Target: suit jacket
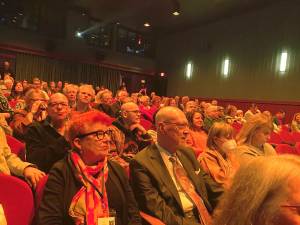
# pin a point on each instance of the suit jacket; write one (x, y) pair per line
(155, 190)
(62, 185)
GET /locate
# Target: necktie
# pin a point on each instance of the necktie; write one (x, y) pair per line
(186, 184)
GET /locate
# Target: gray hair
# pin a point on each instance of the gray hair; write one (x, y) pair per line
(257, 191)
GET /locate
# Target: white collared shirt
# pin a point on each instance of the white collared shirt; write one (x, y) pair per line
(186, 203)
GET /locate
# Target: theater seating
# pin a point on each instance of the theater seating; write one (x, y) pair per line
(17, 200)
(285, 149)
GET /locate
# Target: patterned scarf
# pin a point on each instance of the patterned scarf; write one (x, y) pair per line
(90, 202)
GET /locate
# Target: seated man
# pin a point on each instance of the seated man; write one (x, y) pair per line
(212, 114)
(45, 142)
(116, 107)
(167, 180)
(104, 100)
(11, 163)
(129, 136)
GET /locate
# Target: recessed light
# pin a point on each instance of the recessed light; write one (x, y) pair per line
(146, 24)
(176, 13)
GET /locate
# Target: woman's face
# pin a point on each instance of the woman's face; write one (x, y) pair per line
(94, 147)
(261, 136)
(289, 212)
(197, 120)
(19, 87)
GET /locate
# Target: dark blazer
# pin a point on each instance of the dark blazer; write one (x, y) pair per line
(62, 186)
(155, 190)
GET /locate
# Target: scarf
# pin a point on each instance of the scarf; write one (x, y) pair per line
(90, 202)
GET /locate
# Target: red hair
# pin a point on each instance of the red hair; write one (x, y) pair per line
(78, 123)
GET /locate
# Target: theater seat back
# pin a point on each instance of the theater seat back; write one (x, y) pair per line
(17, 200)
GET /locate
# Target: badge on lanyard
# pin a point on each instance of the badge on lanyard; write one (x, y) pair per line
(106, 221)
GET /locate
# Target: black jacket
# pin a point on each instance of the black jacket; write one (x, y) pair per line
(62, 186)
(44, 145)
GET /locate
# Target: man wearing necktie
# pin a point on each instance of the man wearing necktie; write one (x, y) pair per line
(166, 178)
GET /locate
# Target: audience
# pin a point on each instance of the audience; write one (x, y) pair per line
(86, 187)
(163, 160)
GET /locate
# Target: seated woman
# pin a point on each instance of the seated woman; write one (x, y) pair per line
(85, 187)
(197, 137)
(219, 159)
(295, 125)
(17, 96)
(264, 192)
(253, 137)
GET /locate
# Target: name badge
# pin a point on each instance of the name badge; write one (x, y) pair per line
(106, 221)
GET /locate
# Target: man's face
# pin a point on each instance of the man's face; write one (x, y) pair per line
(36, 84)
(58, 108)
(190, 106)
(132, 114)
(175, 130)
(122, 95)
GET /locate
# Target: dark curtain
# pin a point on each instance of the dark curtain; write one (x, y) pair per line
(47, 69)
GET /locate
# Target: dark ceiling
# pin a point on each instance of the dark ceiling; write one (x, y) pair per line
(133, 13)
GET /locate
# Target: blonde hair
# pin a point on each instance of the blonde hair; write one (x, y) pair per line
(258, 189)
(218, 129)
(249, 128)
(68, 87)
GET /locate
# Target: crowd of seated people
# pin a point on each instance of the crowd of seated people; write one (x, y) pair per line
(176, 159)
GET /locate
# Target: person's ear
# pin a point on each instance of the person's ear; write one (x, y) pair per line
(124, 114)
(77, 143)
(161, 128)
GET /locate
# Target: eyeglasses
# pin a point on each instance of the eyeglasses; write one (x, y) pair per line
(99, 134)
(135, 111)
(56, 104)
(178, 125)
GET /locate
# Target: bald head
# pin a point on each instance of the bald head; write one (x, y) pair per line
(59, 96)
(168, 113)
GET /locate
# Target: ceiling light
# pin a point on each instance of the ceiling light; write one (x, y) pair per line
(176, 13)
(78, 34)
(146, 24)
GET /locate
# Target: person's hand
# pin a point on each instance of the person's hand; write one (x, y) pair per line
(33, 175)
(35, 107)
(138, 127)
